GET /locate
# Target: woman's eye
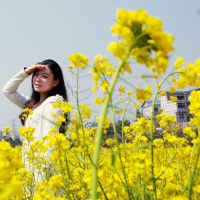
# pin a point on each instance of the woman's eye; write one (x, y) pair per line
(45, 76)
(35, 74)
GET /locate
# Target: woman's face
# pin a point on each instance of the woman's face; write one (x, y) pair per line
(43, 80)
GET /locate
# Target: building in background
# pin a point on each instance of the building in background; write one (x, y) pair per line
(89, 125)
(146, 108)
(179, 109)
(6, 135)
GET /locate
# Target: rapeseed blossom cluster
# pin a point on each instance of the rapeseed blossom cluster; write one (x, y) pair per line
(188, 75)
(10, 161)
(78, 60)
(101, 68)
(141, 34)
(133, 165)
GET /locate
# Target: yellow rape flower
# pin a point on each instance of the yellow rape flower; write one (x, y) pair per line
(143, 94)
(173, 80)
(130, 93)
(179, 197)
(121, 89)
(163, 93)
(178, 63)
(136, 105)
(172, 89)
(130, 24)
(119, 111)
(173, 99)
(189, 131)
(85, 111)
(59, 120)
(153, 68)
(78, 60)
(53, 115)
(6, 128)
(98, 101)
(64, 105)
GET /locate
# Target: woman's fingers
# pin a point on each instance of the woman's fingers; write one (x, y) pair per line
(32, 69)
(39, 66)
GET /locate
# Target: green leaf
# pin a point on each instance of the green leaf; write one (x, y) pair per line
(113, 159)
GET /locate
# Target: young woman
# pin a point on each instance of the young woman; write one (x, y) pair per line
(47, 87)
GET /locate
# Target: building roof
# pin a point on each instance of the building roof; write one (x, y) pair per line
(150, 102)
(183, 91)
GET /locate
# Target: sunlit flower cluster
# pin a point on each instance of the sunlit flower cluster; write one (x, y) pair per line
(78, 60)
(141, 34)
(131, 163)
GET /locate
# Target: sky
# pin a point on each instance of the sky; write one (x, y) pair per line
(32, 31)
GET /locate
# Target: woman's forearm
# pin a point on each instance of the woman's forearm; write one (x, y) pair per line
(10, 89)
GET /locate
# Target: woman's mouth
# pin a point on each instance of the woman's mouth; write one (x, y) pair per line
(37, 86)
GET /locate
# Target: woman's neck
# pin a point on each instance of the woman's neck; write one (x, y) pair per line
(43, 96)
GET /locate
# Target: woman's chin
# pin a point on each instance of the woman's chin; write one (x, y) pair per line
(37, 89)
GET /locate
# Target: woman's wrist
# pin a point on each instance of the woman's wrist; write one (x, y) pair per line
(25, 69)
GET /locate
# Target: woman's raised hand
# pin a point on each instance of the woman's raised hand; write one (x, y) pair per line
(32, 68)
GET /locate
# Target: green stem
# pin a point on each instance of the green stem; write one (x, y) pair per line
(123, 140)
(118, 150)
(191, 175)
(179, 170)
(79, 112)
(63, 174)
(99, 131)
(77, 102)
(152, 137)
(103, 190)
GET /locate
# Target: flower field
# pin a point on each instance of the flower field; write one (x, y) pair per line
(135, 166)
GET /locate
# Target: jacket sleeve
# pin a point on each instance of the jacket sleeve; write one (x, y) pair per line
(10, 89)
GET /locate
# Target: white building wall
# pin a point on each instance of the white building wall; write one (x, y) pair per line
(168, 106)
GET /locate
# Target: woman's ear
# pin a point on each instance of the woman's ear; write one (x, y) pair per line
(55, 83)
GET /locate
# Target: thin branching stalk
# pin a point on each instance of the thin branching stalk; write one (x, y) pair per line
(191, 175)
(152, 136)
(123, 140)
(118, 151)
(99, 131)
(77, 102)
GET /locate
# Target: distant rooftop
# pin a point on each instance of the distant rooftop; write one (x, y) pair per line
(184, 91)
(150, 102)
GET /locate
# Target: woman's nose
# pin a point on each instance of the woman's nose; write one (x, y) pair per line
(38, 78)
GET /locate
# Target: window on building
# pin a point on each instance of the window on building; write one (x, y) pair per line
(180, 97)
(155, 109)
(181, 105)
(189, 116)
(181, 117)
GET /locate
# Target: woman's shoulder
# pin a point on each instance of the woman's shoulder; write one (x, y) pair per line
(52, 99)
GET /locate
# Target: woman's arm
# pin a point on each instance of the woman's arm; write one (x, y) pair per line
(10, 89)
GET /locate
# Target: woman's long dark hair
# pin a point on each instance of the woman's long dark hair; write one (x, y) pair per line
(60, 89)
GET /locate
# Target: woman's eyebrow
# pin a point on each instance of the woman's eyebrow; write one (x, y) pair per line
(45, 73)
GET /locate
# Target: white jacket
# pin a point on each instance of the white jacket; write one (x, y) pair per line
(41, 118)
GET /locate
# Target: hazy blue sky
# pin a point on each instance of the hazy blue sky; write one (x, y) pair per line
(32, 31)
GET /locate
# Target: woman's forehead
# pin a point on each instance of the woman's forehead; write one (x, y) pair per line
(44, 70)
